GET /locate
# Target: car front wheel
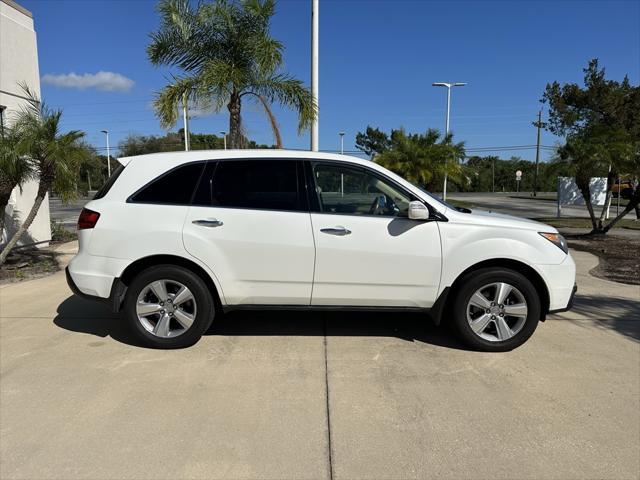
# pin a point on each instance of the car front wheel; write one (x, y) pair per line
(495, 310)
(168, 307)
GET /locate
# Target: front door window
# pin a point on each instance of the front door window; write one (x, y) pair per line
(355, 191)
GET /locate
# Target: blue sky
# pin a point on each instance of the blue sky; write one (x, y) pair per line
(377, 62)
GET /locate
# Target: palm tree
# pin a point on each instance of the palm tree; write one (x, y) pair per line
(54, 156)
(15, 169)
(226, 55)
(422, 158)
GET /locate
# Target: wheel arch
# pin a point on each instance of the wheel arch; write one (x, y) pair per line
(529, 272)
(141, 264)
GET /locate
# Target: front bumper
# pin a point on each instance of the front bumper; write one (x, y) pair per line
(569, 304)
(560, 280)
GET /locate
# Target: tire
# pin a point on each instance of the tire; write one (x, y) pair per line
(490, 283)
(174, 326)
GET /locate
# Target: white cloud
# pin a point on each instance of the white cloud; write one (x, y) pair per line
(105, 81)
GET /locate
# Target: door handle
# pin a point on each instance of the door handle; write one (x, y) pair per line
(339, 231)
(210, 222)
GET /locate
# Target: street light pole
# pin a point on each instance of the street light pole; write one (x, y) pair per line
(106, 132)
(224, 137)
(448, 86)
(341, 142)
(185, 116)
(315, 12)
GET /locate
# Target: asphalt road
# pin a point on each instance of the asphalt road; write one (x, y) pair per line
(524, 205)
(317, 396)
(66, 214)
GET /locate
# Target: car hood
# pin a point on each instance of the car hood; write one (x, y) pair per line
(483, 217)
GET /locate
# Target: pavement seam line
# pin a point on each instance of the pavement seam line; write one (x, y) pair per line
(328, 408)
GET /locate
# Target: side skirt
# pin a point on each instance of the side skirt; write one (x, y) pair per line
(325, 308)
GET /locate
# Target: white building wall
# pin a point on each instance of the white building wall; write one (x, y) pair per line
(19, 64)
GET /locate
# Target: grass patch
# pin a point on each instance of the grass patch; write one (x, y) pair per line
(460, 203)
(577, 222)
(61, 234)
(529, 197)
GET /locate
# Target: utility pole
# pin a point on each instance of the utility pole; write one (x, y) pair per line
(535, 175)
(224, 137)
(185, 116)
(315, 12)
(493, 175)
(341, 142)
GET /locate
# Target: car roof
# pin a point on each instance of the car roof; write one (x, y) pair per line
(195, 155)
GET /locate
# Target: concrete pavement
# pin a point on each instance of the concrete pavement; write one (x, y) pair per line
(311, 396)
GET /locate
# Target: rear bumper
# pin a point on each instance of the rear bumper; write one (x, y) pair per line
(116, 294)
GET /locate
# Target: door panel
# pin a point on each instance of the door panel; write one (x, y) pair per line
(382, 261)
(368, 252)
(259, 257)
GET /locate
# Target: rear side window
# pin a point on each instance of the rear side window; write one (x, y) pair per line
(175, 187)
(252, 184)
(109, 183)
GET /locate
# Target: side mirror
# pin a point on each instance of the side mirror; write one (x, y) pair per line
(418, 211)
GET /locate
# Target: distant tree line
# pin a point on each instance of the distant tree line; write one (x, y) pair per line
(424, 158)
(491, 173)
(174, 141)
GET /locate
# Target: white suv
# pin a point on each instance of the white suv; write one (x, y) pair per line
(174, 239)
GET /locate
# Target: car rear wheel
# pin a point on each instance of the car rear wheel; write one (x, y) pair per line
(168, 307)
(495, 310)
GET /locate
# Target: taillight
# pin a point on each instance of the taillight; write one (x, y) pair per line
(87, 219)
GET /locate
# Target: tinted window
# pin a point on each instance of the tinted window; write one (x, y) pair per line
(204, 192)
(175, 187)
(356, 191)
(109, 183)
(254, 184)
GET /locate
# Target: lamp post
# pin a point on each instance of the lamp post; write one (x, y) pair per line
(106, 132)
(448, 86)
(224, 137)
(185, 117)
(341, 142)
(315, 12)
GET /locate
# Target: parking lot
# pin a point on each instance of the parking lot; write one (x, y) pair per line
(315, 396)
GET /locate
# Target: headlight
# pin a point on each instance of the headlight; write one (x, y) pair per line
(557, 239)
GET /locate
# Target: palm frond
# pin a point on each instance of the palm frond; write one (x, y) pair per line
(288, 92)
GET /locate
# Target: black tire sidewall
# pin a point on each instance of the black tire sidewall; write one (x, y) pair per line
(476, 280)
(203, 297)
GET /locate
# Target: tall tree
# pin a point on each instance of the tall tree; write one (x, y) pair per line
(15, 169)
(55, 157)
(226, 55)
(601, 123)
(423, 159)
(372, 142)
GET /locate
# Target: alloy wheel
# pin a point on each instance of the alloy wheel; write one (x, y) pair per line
(497, 312)
(166, 308)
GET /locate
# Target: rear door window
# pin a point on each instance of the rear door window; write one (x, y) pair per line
(253, 184)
